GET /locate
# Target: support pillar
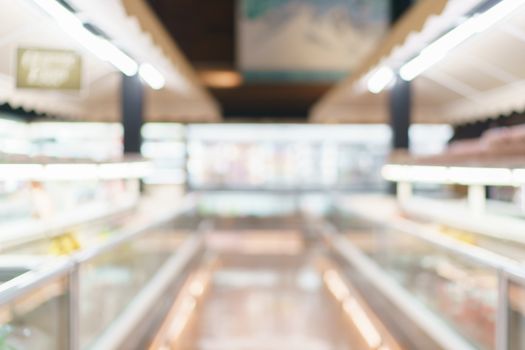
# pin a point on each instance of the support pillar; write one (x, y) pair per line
(477, 199)
(400, 96)
(132, 113)
(400, 113)
(400, 117)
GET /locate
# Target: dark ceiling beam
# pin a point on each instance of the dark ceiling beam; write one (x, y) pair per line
(270, 100)
(203, 29)
(398, 9)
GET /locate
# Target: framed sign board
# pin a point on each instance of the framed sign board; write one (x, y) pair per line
(48, 69)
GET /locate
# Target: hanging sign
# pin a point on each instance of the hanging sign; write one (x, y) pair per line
(48, 69)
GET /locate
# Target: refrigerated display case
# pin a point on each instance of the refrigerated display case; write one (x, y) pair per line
(453, 287)
(286, 157)
(44, 197)
(35, 307)
(165, 145)
(112, 282)
(103, 295)
(76, 140)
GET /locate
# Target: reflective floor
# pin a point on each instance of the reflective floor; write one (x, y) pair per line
(264, 301)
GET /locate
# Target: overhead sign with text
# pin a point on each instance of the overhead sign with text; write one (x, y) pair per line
(48, 69)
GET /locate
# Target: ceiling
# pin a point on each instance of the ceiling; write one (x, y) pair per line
(480, 76)
(205, 31)
(35, 33)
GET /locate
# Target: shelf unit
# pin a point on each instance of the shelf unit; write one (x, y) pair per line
(34, 169)
(76, 193)
(32, 230)
(473, 214)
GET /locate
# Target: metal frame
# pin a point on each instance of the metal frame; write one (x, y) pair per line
(507, 277)
(32, 280)
(502, 313)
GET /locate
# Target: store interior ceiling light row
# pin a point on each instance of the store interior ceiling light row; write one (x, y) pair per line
(464, 74)
(126, 36)
(131, 35)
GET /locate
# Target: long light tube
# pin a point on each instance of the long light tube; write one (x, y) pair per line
(74, 171)
(20, 172)
(454, 175)
(436, 51)
(100, 47)
(152, 76)
(380, 79)
(68, 172)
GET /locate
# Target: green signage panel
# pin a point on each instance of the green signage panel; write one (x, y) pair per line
(48, 69)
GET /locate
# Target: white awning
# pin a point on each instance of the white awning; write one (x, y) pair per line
(133, 26)
(483, 77)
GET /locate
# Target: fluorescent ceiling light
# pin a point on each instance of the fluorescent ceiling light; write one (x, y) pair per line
(380, 79)
(97, 45)
(221, 79)
(395, 172)
(453, 175)
(70, 172)
(74, 171)
(436, 51)
(429, 174)
(20, 172)
(481, 176)
(518, 176)
(152, 76)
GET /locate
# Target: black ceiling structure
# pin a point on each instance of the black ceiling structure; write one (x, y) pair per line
(205, 30)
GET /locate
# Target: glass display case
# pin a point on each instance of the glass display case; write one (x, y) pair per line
(35, 308)
(462, 293)
(86, 300)
(97, 141)
(56, 175)
(460, 284)
(286, 157)
(165, 145)
(46, 197)
(111, 281)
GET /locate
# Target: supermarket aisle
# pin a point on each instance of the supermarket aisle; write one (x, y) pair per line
(267, 302)
(258, 289)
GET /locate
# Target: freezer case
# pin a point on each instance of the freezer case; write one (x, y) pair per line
(455, 290)
(99, 297)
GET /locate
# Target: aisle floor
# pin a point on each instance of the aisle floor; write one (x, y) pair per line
(268, 302)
